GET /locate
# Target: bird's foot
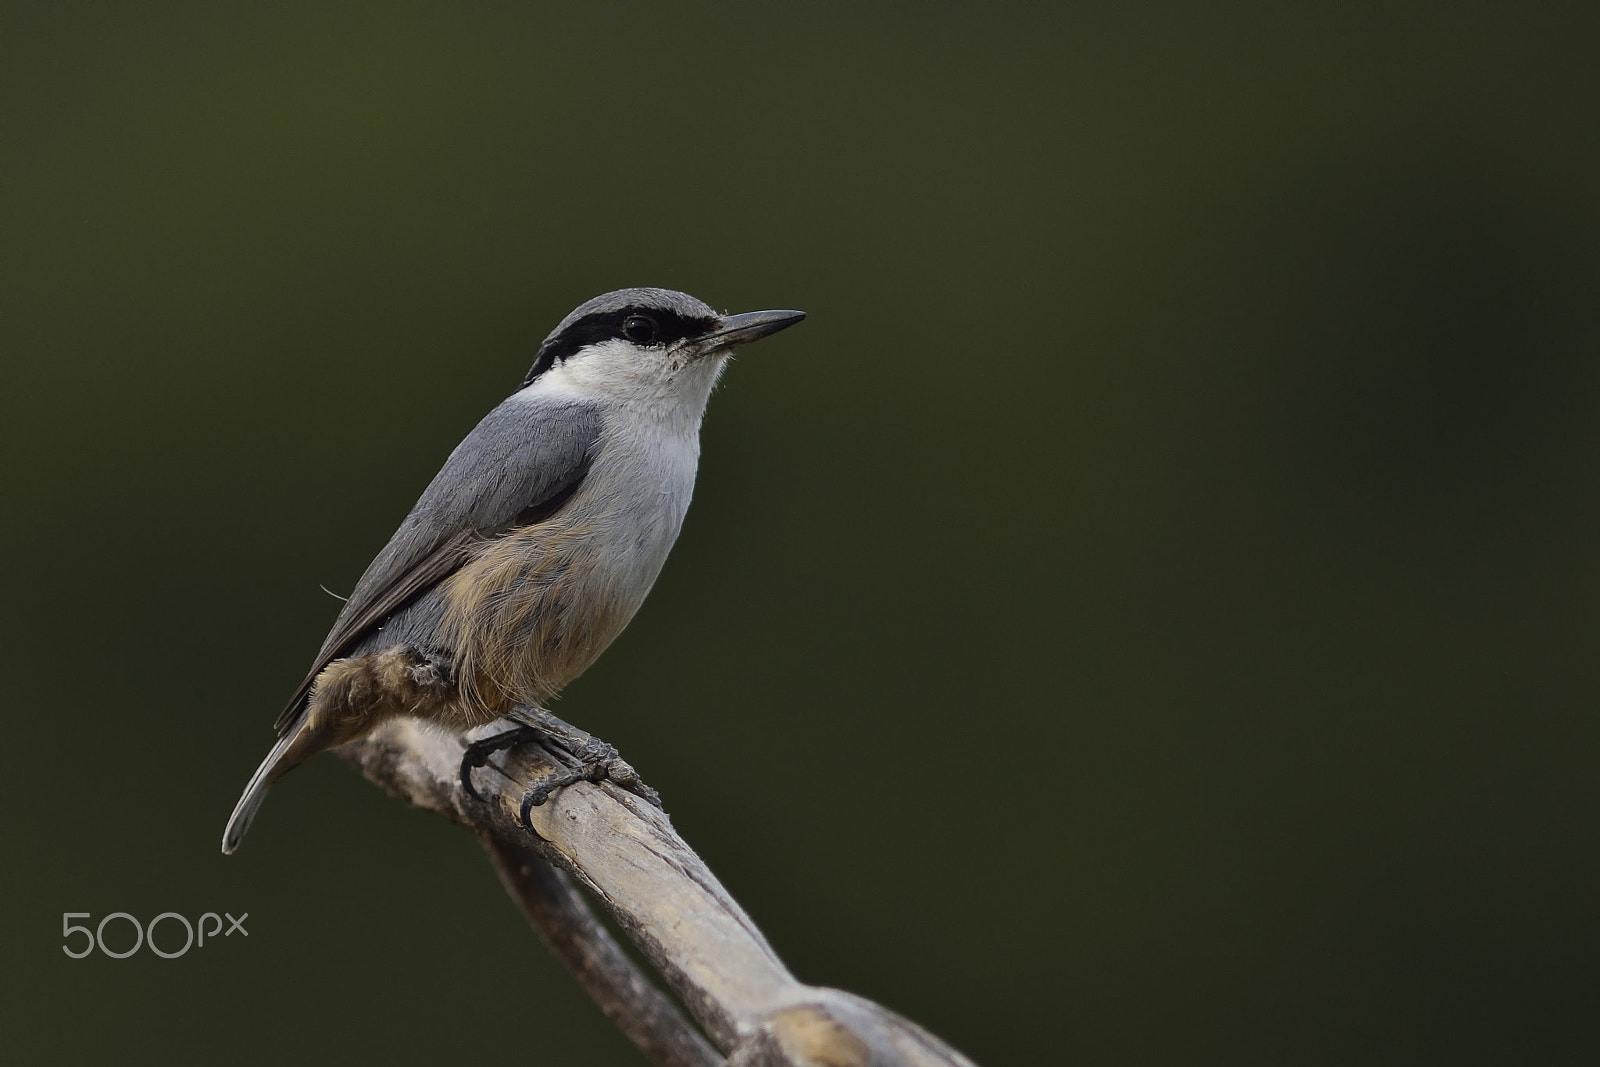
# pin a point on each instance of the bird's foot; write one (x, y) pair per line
(593, 759)
(478, 752)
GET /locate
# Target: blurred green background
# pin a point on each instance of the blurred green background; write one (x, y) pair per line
(1145, 615)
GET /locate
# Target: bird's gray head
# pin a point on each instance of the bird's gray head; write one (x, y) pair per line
(642, 344)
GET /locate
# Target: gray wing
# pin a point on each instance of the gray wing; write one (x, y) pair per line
(517, 467)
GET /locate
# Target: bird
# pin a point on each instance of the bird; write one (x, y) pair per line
(532, 547)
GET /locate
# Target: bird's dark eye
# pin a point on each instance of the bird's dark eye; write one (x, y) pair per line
(640, 329)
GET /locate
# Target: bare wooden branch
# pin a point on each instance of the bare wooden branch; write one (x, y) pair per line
(664, 898)
(569, 927)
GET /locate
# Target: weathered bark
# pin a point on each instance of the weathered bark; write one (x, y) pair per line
(662, 896)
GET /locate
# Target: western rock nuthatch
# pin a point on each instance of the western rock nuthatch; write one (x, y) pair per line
(535, 544)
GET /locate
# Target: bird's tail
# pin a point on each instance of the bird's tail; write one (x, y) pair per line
(277, 764)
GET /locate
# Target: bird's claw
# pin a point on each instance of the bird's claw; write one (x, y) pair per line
(598, 762)
(478, 752)
(595, 761)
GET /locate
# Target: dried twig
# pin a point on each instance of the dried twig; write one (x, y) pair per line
(662, 896)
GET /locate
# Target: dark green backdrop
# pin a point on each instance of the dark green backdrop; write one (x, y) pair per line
(1147, 613)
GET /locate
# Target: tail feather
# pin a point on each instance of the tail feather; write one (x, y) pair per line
(272, 768)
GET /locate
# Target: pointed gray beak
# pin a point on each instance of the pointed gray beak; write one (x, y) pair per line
(753, 325)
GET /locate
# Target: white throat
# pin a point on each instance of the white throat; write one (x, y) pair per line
(637, 390)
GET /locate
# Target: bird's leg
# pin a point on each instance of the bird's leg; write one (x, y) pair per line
(596, 761)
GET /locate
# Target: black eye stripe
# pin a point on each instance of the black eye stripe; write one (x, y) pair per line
(670, 326)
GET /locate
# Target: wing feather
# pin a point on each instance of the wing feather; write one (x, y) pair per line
(526, 458)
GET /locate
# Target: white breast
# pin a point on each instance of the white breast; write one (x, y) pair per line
(633, 502)
(540, 605)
